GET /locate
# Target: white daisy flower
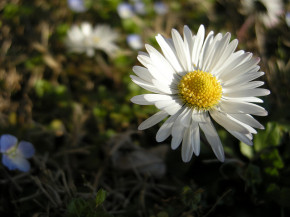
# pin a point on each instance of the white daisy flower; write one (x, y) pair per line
(197, 80)
(268, 11)
(85, 39)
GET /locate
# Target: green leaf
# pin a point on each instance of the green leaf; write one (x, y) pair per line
(269, 137)
(284, 197)
(191, 197)
(253, 176)
(13, 10)
(162, 214)
(273, 189)
(101, 196)
(272, 161)
(271, 171)
(273, 158)
(77, 208)
(246, 150)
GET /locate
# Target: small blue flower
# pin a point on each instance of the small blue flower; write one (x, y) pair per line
(77, 5)
(125, 10)
(160, 8)
(15, 154)
(139, 7)
(287, 18)
(135, 41)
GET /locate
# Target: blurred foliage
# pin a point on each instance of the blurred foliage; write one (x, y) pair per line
(77, 112)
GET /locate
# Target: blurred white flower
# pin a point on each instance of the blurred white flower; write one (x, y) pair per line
(125, 10)
(77, 5)
(160, 8)
(135, 41)
(267, 11)
(199, 79)
(85, 39)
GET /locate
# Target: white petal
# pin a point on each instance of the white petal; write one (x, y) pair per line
(188, 42)
(244, 68)
(159, 67)
(187, 148)
(161, 104)
(158, 97)
(249, 120)
(234, 61)
(218, 52)
(177, 133)
(198, 42)
(222, 59)
(232, 107)
(243, 138)
(171, 107)
(194, 131)
(213, 139)
(250, 85)
(175, 141)
(144, 84)
(169, 53)
(144, 59)
(140, 100)
(143, 73)
(178, 126)
(181, 51)
(154, 119)
(90, 52)
(199, 116)
(204, 49)
(149, 99)
(227, 122)
(250, 92)
(166, 128)
(164, 87)
(86, 28)
(210, 52)
(243, 79)
(185, 117)
(249, 128)
(244, 99)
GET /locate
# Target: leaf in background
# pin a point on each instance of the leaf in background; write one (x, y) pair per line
(271, 136)
(273, 162)
(162, 214)
(101, 196)
(253, 176)
(273, 191)
(279, 195)
(284, 197)
(191, 197)
(77, 208)
(246, 150)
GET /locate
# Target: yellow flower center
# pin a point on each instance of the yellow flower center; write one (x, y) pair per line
(96, 39)
(11, 152)
(200, 90)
